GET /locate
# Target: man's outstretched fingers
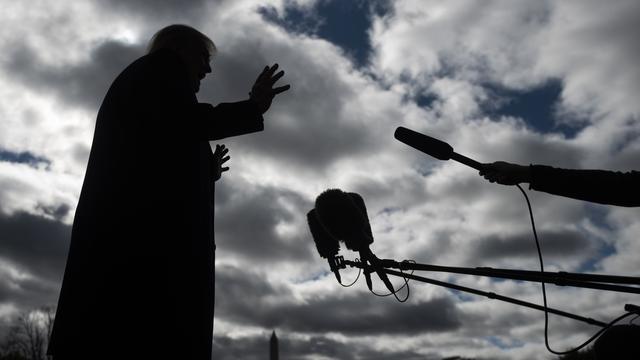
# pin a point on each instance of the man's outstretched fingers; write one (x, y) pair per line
(273, 69)
(280, 89)
(276, 77)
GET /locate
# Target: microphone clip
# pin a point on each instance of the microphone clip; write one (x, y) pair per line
(338, 262)
(335, 264)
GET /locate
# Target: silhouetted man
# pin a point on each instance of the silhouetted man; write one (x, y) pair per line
(600, 186)
(139, 279)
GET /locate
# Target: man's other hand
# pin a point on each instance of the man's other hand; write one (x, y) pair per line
(263, 92)
(219, 159)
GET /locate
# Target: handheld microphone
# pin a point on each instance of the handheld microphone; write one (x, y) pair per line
(432, 146)
(344, 216)
(326, 245)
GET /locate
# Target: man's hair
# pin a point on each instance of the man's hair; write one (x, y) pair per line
(178, 35)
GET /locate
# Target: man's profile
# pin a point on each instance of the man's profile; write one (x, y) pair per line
(139, 279)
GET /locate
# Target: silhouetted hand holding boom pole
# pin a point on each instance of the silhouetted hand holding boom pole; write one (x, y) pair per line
(505, 173)
(600, 186)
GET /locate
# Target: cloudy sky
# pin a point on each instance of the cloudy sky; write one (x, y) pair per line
(546, 82)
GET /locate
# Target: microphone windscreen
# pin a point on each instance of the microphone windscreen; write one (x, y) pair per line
(343, 219)
(359, 201)
(326, 244)
(428, 145)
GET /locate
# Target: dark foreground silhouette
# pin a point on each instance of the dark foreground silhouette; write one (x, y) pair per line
(619, 342)
(139, 279)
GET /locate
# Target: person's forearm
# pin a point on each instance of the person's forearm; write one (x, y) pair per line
(525, 174)
(604, 187)
(229, 119)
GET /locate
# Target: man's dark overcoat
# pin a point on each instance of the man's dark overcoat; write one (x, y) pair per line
(139, 279)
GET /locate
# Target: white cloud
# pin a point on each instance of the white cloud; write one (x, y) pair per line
(37, 191)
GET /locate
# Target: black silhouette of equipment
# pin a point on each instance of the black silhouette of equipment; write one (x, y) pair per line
(342, 219)
(609, 345)
(341, 216)
(344, 216)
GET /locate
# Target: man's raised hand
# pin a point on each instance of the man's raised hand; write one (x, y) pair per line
(263, 92)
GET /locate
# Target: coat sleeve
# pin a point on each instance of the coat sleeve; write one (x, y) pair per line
(599, 186)
(172, 110)
(229, 119)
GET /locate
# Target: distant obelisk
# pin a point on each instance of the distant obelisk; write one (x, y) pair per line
(273, 347)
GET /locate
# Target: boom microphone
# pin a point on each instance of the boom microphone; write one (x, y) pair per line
(326, 245)
(344, 216)
(434, 147)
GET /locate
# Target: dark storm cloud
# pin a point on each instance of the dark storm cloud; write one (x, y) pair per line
(245, 297)
(246, 220)
(313, 139)
(36, 244)
(534, 151)
(257, 347)
(554, 244)
(27, 294)
(84, 83)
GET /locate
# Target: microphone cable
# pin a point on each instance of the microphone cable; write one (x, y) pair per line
(544, 295)
(354, 281)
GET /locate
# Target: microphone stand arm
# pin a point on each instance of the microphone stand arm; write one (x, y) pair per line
(591, 281)
(487, 294)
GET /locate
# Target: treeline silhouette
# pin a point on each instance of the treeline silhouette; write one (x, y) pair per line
(28, 335)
